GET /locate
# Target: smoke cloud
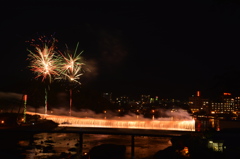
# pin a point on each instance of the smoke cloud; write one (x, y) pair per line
(10, 95)
(179, 114)
(90, 69)
(112, 49)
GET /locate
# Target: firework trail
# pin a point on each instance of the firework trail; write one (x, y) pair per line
(44, 60)
(72, 70)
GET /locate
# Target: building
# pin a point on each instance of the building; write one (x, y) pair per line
(145, 99)
(122, 101)
(225, 105)
(197, 103)
(237, 105)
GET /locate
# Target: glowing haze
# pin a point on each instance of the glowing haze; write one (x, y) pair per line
(123, 122)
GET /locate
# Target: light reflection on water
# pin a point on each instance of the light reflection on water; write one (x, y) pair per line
(46, 145)
(53, 144)
(207, 124)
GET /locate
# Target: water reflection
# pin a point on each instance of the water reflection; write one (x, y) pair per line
(206, 124)
(64, 145)
(46, 145)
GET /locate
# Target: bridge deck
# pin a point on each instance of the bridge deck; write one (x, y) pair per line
(122, 131)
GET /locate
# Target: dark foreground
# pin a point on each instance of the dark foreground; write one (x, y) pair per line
(191, 145)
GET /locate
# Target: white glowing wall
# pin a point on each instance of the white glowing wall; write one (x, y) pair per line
(177, 125)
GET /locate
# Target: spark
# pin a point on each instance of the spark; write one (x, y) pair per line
(71, 71)
(44, 61)
(72, 66)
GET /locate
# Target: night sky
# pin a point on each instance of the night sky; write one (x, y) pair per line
(171, 49)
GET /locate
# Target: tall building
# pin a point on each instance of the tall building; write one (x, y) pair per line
(225, 105)
(197, 103)
(237, 104)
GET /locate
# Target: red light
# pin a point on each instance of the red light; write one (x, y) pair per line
(227, 94)
(25, 97)
(198, 93)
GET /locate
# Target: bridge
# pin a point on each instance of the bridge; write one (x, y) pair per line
(158, 128)
(149, 124)
(132, 128)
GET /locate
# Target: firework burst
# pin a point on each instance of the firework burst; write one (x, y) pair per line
(71, 71)
(44, 63)
(48, 62)
(72, 66)
(44, 60)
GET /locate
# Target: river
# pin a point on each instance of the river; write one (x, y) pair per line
(54, 145)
